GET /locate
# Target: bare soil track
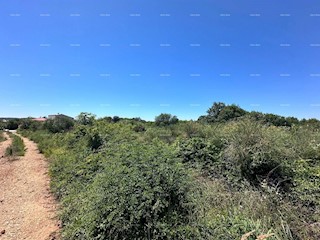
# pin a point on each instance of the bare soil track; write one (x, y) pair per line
(27, 208)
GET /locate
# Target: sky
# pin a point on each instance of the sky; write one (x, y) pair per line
(140, 58)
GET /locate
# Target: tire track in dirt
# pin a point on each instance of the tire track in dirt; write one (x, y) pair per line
(27, 208)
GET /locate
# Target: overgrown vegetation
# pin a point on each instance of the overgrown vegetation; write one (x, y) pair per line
(165, 119)
(238, 173)
(17, 147)
(2, 137)
(58, 124)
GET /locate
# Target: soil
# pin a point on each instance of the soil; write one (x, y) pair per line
(27, 208)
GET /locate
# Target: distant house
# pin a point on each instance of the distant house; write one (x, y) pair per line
(58, 115)
(40, 119)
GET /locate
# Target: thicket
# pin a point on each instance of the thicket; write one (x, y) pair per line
(12, 124)
(220, 113)
(131, 179)
(165, 119)
(2, 125)
(2, 137)
(58, 124)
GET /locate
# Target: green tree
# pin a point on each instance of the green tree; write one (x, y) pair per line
(312, 123)
(276, 120)
(256, 116)
(30, 124)
(58, 124)
(85, 118)
(220, 112)
(292, 120)
(116, 119)
(106, 119)
(165, 119)
(13, 124)
(230, 112)
(215, 110)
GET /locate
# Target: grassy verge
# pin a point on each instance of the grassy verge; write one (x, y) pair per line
(17, 147)
(2, 137)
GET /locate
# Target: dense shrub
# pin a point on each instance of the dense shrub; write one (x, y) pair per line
(106, 119)
(95, 140)
(185, 181)
(116, 119)
(164, 134)
(2, 125)
(29, 124)
(142, 193)
(192, 129)
(58, 124)
(85, 118)
(259, 153)
(13, 124)
(220, 112)
(276, 120)
(139, 128)
(2, 137)
(201, 153)
(165, 119)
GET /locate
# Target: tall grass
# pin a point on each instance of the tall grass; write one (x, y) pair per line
(2, 137)
(17, 147)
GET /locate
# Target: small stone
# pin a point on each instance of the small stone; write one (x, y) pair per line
(3, 232)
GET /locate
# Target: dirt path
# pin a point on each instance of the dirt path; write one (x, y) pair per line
(27, 209)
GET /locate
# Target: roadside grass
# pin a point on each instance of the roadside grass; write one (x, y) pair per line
(2, 137)
(17, 147)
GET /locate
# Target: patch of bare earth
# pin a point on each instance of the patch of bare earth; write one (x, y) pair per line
(27, 208)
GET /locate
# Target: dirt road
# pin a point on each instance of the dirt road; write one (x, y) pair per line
(27, 209)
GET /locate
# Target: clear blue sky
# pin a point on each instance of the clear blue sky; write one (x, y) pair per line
(142, 57)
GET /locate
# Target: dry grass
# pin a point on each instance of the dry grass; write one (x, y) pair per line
(2, 137)
(17, 147)
(260, 237)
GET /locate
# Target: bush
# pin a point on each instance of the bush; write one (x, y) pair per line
(115, 183)
(165, 119)
(2, 125)
(276, 120)
(192, 129)
(2, 137)
(139, 128)
(17, 147)
(142, 193)
(95, 140)
(58, 124)
(13, 124)
(116, 119)
(260, 153)
(201, 153)
(86, 118)
(164, 134)
(220, 112)
(29, 124)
